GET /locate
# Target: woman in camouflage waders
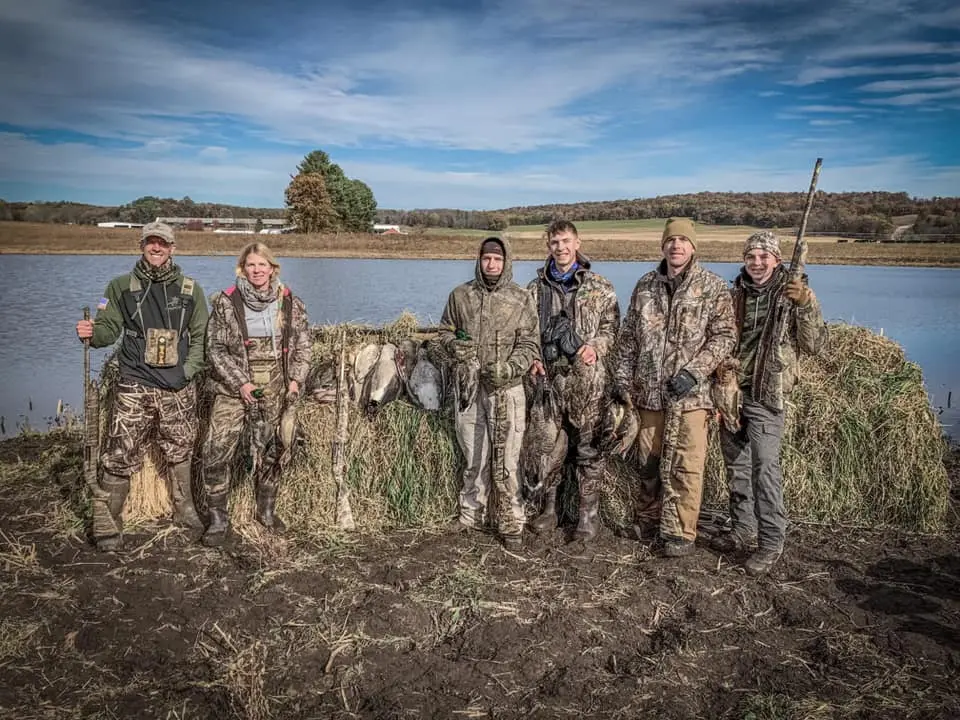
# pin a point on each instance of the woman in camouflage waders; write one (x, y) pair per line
(258, 354)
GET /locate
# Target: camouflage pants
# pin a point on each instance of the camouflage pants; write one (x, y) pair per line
(490, 432)
(676, 508)
(581, 393)
(139, 411)
(265, 429)
(752, 460)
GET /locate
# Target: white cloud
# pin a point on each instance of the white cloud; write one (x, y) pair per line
(911, 99)
(895, 86)
(442, 82)
(259, 178)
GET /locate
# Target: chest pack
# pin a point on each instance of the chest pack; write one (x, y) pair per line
(286, 321)
(162, 344)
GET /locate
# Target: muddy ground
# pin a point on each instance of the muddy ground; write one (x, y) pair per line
(851, 623)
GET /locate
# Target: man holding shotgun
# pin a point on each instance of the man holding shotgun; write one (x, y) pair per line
(778, 317)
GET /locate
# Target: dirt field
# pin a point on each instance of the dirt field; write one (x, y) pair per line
(851, 624)
(715, 244)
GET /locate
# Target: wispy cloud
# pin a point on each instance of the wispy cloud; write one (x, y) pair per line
(895, 86)
(448, 100)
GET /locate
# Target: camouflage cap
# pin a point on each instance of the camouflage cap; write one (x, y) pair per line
(680, 226)
(763, 240)
(158, 230)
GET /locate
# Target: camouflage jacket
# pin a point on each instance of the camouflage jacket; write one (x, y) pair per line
(228, 365)
(769, 379)
(592, 305)
(504, 311)
(692, 329)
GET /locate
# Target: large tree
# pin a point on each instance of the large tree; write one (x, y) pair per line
(352, 199)
(308, 204)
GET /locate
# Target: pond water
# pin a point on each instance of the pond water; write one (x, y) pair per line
(43, 297)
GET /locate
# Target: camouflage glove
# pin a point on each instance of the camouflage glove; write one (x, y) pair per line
(498, 374)
(681, 384)
(463, 350)
(798, 292)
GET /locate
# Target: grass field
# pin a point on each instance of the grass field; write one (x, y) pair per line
(715, 244)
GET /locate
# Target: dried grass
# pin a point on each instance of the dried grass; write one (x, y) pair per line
(862, 446)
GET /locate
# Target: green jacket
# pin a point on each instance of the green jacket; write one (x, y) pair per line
(160, 306)
(770, 379)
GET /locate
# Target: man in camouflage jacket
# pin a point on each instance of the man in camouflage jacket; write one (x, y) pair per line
(579, 321)
(257, 370)
(159, 315)
(490, 333)
(767, 374)
(677, 330)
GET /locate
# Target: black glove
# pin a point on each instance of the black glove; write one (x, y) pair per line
(681, 384)
(563, 337)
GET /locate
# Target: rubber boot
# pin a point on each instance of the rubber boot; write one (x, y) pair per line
(546, 520)
(216, 531)
(108, 502)
(184, 511)
(266, 504)
(588, 524)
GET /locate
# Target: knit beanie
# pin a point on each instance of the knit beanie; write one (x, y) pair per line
(763, 240)
(680, 226)
(492, 246)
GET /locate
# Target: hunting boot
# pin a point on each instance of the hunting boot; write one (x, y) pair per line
(184, 511)
(734, 541)
(546, 520)
(266, 503)
(108, 499)
(216, 531)
(761, 561)
(588, 524)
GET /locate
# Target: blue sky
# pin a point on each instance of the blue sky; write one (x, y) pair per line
(477, 104)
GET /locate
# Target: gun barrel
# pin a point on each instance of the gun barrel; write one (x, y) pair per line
(799, 249)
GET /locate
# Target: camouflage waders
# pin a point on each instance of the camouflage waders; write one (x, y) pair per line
(490, 432)
(580, 388)
(267, 429)
(140, 413)
(675, 507)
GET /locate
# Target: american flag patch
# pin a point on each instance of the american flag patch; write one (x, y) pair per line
(102, 305)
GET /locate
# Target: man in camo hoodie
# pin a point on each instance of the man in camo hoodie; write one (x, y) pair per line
(677, 330)
(490, 333)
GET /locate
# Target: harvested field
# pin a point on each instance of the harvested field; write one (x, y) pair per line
(716, 244)
(851, 624)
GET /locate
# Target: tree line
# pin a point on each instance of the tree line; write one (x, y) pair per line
(321, 198)
(862, 215)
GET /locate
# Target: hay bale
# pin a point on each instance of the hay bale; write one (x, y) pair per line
(862, 446)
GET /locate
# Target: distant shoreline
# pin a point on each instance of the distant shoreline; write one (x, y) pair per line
(715, 244)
